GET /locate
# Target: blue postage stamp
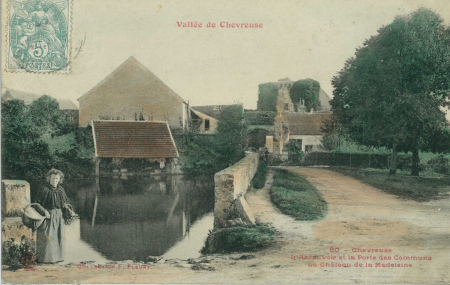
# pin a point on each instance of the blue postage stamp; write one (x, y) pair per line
(39, 36)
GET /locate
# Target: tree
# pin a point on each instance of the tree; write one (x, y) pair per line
(28, 134)
(307, 90)
(212, 153)
(24, 154)
(47, 118)
(232, 135)
(391, 92)
(267, 97)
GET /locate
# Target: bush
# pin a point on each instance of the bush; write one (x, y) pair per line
(440, 164)
(238, 239)
(260, 117)
(296, 196)
(295, 153)
(257, 138)
(212, 153)
(259, 180)
(13, 254)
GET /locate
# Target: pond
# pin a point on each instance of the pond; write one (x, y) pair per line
(133, 216)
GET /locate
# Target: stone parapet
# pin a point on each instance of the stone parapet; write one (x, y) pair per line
(13, 228)
(231, 184)
(15, 197)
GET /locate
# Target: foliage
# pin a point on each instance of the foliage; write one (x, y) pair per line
(390, 94)
(407, 187)
(267, 97)
(440, 164)
(212, 153)
(240, 239)
(260, 118)
(48, 118)
(24, 154)
(13, 252)
(259, 180)
(257, 138)
(232, 134)
(307, 90)
(40, 136)
(198, 153)
(340, 142)
(295, 153)
(296, 196)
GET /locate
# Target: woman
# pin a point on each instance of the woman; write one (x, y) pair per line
(50, 235)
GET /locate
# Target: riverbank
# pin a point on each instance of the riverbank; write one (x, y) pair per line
(360, 217)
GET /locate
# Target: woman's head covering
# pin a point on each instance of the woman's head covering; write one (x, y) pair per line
(54, 171)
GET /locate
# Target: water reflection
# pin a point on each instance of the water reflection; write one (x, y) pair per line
(134, 216)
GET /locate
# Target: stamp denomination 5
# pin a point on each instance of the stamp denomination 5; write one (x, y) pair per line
(39, 35)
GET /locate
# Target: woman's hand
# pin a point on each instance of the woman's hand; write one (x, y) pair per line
(47, 215)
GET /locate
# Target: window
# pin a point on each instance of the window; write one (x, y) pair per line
(286, 106)
(297, 142)
(308, 148)
(206, 125)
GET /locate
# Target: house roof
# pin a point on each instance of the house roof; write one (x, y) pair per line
(324, 100)
(27, 98)
(201, 115)
(64, 104)
(305, 123)
(133, 139)
(131, 77)
(211, 110)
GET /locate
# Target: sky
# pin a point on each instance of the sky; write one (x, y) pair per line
(207, 66)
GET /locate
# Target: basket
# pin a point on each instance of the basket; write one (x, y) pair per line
(68, 214)
(31, 218)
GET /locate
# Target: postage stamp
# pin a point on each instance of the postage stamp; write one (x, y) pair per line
(39, 36)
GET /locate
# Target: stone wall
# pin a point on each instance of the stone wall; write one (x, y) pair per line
(15, 197)
(231, 184)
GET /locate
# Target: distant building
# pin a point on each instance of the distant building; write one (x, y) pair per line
(27, 98)
(285, 104)
(205, 119)
(303, 128)
(65, 105)
(203, 123)
(132, 92)
(306, 129)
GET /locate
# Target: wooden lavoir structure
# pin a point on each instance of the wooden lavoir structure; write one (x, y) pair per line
(150, 140)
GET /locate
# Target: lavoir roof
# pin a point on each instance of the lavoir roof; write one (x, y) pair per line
(133, 139)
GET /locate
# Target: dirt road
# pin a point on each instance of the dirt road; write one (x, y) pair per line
(359, 217)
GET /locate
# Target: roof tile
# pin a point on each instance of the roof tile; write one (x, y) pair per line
(305, 123)
(138, 139)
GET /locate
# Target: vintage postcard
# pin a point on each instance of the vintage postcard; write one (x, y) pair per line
(204, 142)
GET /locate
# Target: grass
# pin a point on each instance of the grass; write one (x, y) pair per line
(297, 197)
(239, 239)
(259, 180)
(404, 186)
